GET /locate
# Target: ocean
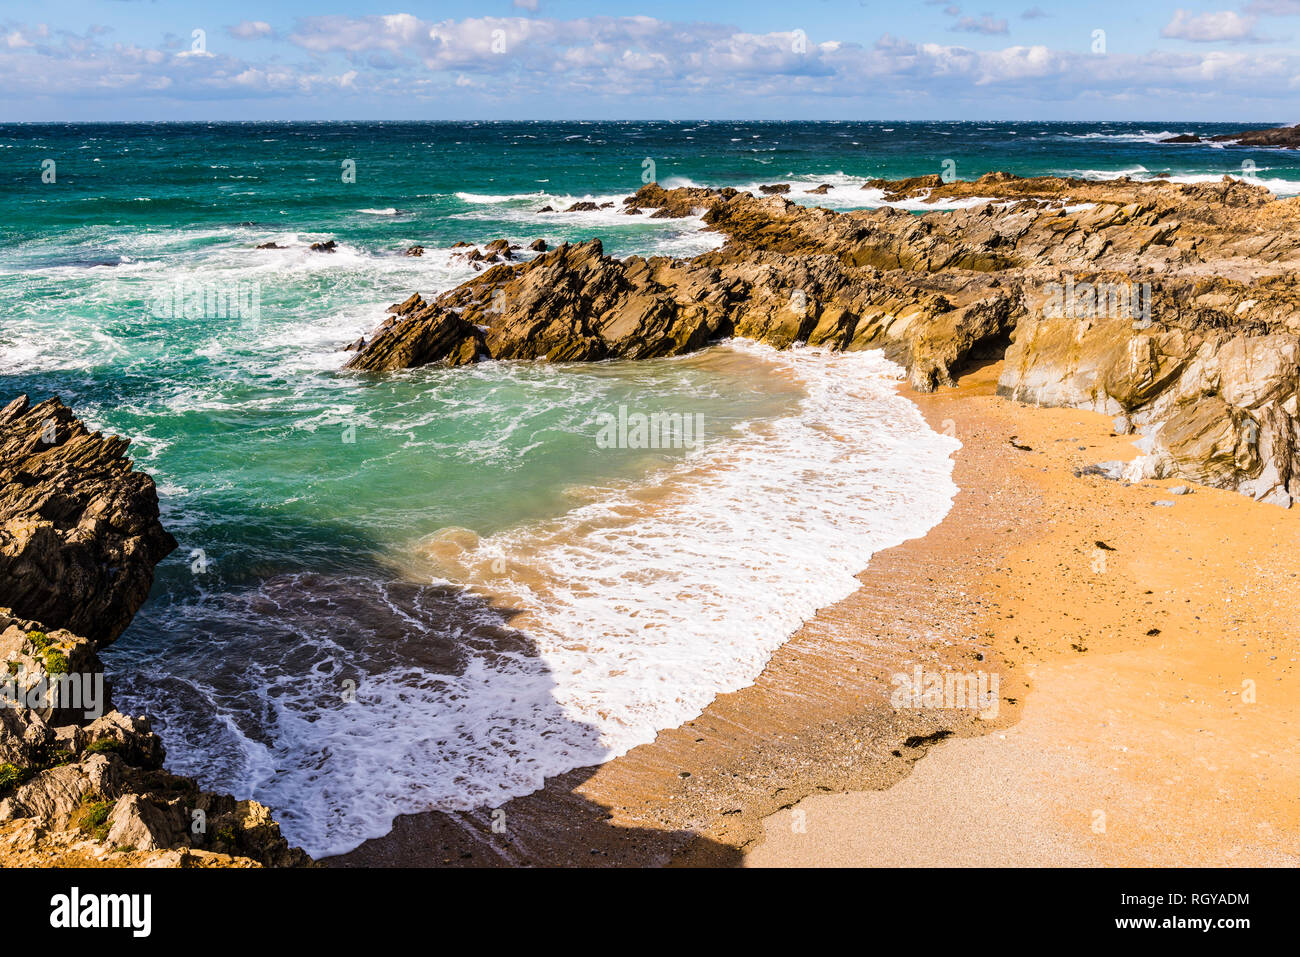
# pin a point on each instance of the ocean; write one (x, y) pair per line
(436, 588)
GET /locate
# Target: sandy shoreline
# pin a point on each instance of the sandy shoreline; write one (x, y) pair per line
(1142, 728)
(1139, 743)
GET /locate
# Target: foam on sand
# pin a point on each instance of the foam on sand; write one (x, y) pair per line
(579, 637)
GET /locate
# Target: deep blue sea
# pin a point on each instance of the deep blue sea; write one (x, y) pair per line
(435, 588)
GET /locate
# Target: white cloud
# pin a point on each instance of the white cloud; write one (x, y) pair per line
(250, 29)
(1225, 26)
(490, 59)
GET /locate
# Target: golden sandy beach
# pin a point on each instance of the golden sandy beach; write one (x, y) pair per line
(1160, 723)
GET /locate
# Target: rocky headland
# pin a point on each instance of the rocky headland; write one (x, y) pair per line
(82, 784)
(1277, 137)
(1171, 307)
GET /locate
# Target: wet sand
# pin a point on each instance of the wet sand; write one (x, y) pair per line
(813, 765)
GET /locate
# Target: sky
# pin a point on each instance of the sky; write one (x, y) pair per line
(70, 60)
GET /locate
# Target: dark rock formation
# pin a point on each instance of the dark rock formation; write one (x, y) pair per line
(1284, 136)
(79, 529)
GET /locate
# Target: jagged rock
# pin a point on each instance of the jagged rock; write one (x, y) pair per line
(1182, 138)
(270, 246)
(326, 247)
(414, 251)
(821, 190)
(775, 189)
(1204, 370)
(673, 204)
(422, 333)
(79, 529)
(538, 245)
(1285, 136)
(582, 207)
(54, 796)
(137, 822)
(97, 786)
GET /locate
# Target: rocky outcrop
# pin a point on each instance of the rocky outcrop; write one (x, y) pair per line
(1284, 136)
(1172, 306)
(81, 783)
(79, 528)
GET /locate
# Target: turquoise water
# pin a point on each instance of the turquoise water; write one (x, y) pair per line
(312, 641)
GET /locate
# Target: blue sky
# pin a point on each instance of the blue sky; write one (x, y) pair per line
(567, 59)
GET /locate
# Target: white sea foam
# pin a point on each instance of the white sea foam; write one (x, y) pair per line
(640, 616)
(1143, 136)
(1277, 185)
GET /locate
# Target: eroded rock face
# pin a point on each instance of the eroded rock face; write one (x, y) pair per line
(79, 529)
(1199, 356)
(787, 276)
